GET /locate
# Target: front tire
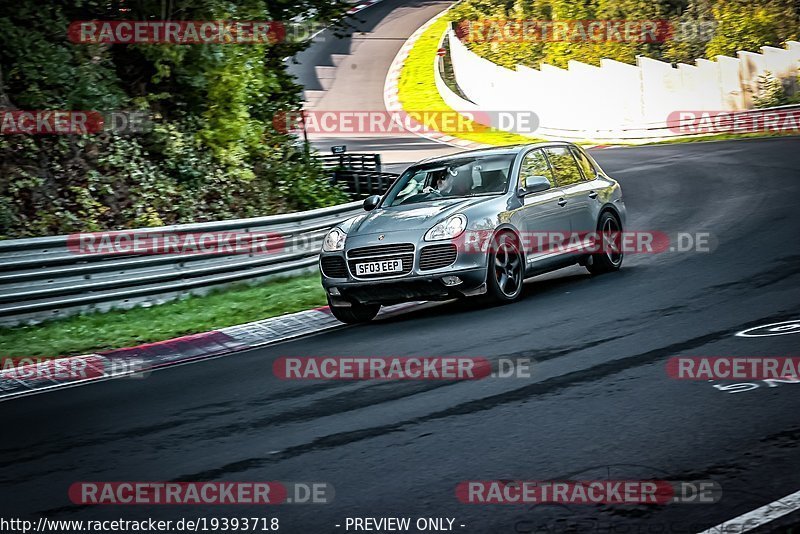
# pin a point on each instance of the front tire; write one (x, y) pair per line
(506, 270)
(355, 313)
(609, 258)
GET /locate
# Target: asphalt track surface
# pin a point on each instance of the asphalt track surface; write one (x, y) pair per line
(346, 71)
(598, 404)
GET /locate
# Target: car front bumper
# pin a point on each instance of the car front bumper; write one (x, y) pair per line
(420, 287)
(420, 282)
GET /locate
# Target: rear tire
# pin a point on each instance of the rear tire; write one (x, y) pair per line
(506, 270)
(355, 313)
(610, 256)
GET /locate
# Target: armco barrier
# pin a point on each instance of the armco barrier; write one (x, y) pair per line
(42, 278)
(360, 174)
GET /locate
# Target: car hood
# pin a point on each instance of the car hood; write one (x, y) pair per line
(414, 216)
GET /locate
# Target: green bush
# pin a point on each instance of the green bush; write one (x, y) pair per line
(533, 53)
(770, 92)
(735, 24)
(212, 152)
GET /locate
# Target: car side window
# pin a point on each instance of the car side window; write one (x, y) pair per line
(589, 172)
(535, 164)
(564, 165)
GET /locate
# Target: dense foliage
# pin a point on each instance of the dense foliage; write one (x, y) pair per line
(212, 151)
(702, 28)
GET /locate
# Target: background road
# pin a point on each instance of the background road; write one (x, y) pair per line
(347, 73)
(598, 405)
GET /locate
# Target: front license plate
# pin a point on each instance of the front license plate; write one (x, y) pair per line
(379, 267)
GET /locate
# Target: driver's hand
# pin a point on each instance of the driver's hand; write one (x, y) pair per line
(428, 189)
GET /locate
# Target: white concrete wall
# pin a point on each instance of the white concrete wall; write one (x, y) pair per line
(616, 100)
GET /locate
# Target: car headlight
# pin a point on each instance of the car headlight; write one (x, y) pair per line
(334, 241)
(448, 228)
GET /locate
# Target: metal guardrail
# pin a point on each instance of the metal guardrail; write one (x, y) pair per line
(45, 277)
(361, 184)
(351, 160)
(359, 173)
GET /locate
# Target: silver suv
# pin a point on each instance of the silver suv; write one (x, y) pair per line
(474, 223)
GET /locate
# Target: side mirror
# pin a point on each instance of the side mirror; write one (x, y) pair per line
(371, 202)
(535, 184)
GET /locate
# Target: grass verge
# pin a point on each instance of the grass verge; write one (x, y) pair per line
(83, 334)
(417, 88)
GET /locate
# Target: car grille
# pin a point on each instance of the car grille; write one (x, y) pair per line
(401, 251)
(333, 267)
(437, 256)
(381, 250)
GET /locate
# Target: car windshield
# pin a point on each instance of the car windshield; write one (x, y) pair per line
(457, 177)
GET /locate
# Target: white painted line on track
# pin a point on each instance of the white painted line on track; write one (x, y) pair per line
(772, 329)
(759, 516)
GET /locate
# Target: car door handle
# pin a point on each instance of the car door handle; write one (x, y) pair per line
(562, 202)
(592, 194)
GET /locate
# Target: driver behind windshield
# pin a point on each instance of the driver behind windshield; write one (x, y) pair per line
(445, 183)
(454, 182)
(440, 181)
(464, 178)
